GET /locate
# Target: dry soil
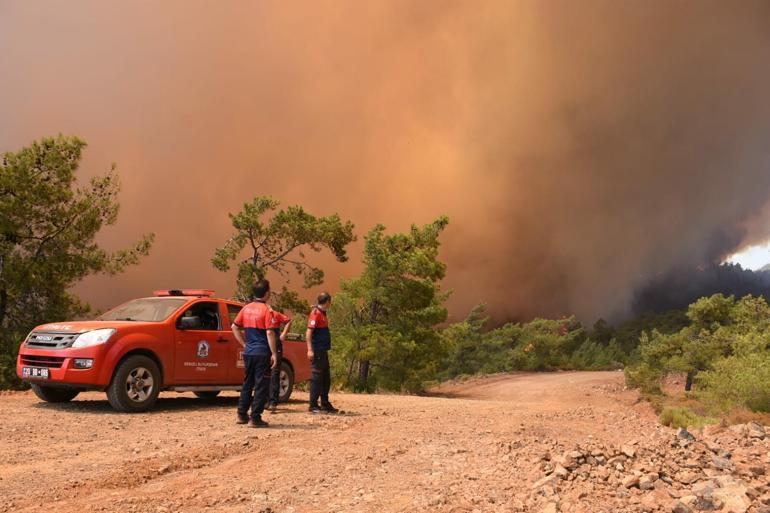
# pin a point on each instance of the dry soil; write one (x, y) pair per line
(474, 446)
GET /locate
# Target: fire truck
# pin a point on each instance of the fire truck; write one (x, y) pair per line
(176, 340)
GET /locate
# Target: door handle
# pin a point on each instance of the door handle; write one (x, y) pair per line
(222, 340)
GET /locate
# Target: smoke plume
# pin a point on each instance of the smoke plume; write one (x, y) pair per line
(579, 148)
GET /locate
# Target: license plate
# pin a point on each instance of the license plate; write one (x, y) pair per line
(34, 372)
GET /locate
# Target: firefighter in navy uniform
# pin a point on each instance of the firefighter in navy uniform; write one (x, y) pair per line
(278, 320)
(319, 343)
(259, 354)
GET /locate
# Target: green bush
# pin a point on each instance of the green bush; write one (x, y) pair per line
(592, 355)
(723, 351)
(644, 377)
(538, 345)
(9, 348)
(738, 381)
(8, 378)
(684, 418)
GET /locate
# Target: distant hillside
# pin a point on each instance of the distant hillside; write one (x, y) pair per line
(677, 289)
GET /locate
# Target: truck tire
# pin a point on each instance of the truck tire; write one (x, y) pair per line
(135, 385)
(286, 383)
(207, 394)
(54, 395)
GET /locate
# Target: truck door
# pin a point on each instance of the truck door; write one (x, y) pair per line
(202, 347)
(235, 364)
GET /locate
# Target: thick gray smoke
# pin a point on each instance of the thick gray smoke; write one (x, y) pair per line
(629, 138)
(579, 148)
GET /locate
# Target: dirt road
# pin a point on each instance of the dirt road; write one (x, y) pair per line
(474, 446)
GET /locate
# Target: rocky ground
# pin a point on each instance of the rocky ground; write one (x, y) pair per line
(714, 469)
(570, 442)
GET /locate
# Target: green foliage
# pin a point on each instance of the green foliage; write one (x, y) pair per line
(684, 418)
(385, 320)
(273, 240)
(628, 332)
(593, 355)
(724, 349)
(541, 344)
(546, 344)
(742, 381)
(47, 229)
(468, 350)
(644, 377)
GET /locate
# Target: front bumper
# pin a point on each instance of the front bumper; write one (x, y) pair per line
(61, 367)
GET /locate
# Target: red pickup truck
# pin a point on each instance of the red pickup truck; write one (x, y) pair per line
(177, 340)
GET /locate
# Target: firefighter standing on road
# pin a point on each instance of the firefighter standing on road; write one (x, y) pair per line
(259, 354)
(277, 321)
(319, 343)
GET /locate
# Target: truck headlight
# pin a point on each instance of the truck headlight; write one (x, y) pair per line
(93, 338)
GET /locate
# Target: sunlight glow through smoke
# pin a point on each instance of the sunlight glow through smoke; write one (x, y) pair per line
(753, 257)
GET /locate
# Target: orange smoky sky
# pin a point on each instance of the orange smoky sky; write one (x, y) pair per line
(577, 147)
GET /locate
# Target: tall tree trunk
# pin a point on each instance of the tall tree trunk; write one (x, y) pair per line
(688, 381)
(3, 292)
(350, 371)
(363, 374)
(363, 365)
(3, 305)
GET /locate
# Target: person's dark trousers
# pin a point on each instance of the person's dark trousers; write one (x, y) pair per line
(321, 378)
(275, 379)
(256, 380)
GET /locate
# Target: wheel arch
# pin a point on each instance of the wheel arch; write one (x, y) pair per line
(141, 351)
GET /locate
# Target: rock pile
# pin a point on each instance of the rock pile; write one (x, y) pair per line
(715, 469)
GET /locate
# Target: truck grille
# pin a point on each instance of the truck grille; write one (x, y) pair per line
(51, 340)
(52, 362)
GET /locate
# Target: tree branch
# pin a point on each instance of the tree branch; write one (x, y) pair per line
(298, 263)
(294, 246)
(53, 235)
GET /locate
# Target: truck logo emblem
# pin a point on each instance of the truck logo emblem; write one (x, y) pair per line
(203, 349)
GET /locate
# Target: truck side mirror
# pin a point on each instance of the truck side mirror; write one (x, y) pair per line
(190, 323)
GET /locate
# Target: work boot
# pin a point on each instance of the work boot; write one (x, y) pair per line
(258, 423)
(242, 419)
(328, 408)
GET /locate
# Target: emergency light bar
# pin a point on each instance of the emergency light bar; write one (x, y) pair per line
(184, 292)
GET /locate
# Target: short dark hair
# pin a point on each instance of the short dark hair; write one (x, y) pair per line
(260, 288)
(324, 297)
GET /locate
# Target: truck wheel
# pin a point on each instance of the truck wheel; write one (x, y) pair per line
(54, 395)
(207, 394)
(285, 383)
(135, 385)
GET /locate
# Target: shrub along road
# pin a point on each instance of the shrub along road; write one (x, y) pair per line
(526, 442)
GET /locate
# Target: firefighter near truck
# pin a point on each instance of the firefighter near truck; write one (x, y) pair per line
(176, 340)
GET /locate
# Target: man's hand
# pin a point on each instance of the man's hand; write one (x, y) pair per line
(273, 352)
(309, 340)
(238, 334)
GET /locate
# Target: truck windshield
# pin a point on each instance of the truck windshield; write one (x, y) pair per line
(155, 309)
